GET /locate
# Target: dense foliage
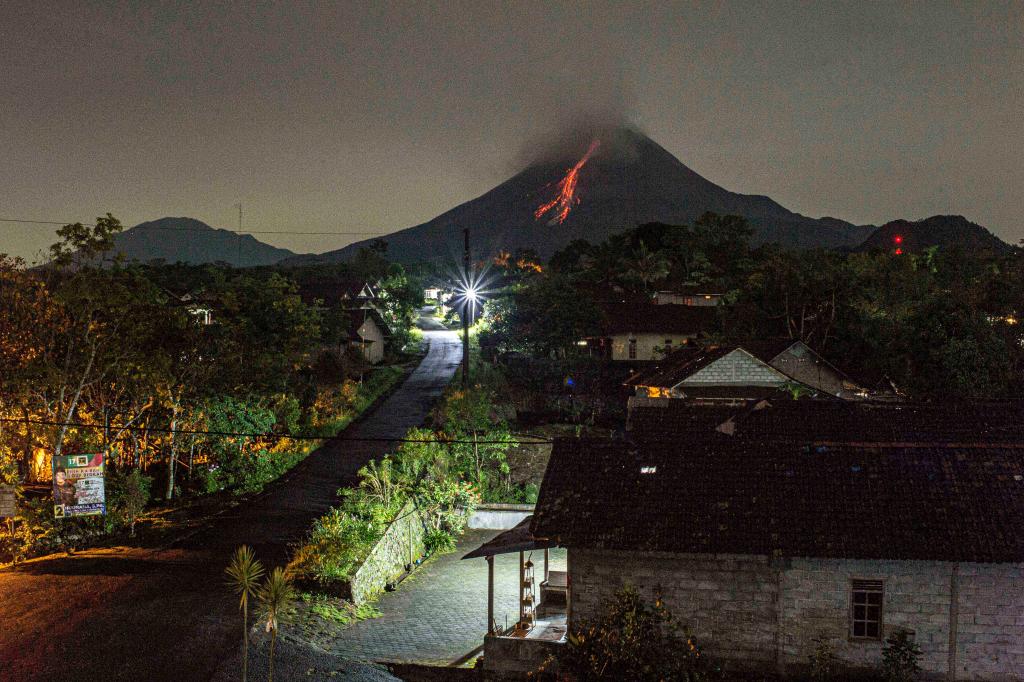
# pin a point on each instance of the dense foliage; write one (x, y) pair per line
(157, 365)
(445, 471)
(937, 323)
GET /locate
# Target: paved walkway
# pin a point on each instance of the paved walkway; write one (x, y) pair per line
(165, 614)
(439, 614)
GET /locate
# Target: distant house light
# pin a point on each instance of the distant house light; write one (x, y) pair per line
(581, 343)
(707, 297)
(648, 470)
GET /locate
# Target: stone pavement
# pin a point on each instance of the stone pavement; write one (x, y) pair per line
(439, 614)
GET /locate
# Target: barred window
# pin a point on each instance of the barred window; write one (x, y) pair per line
(866, 609)
(632, 349)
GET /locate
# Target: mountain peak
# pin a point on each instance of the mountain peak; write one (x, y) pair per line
(188, 240)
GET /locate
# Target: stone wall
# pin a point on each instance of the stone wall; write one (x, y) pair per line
(402, 544)
(755, 612)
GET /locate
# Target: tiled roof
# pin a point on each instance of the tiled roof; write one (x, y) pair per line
(687, 361)
(744, 496)
(647, 318)
(811, 421)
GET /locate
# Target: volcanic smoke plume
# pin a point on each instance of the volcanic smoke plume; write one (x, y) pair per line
(566, 197)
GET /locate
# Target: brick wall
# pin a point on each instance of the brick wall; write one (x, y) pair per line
(753, 611)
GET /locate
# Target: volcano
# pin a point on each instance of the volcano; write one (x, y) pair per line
(610, 182)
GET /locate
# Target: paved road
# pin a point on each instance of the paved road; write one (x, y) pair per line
(439, 615)
(164, 614)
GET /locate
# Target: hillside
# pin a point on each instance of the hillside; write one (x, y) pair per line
(628, 180)
(944, 231)
(192, 241)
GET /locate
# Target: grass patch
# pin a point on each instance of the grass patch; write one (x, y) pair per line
(340, 612)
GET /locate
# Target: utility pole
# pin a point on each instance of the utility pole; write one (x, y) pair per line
(465, 311)
(238, 241)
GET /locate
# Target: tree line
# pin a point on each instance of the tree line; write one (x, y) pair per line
(940, 323)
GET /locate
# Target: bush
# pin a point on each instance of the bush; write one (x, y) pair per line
(901, 657)
(129, 494)
(823, 660)
(634, 640)
(439, 542)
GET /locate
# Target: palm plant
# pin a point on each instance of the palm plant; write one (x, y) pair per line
(244, 573)
(276, 597)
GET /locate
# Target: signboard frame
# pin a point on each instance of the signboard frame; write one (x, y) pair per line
(79, 486)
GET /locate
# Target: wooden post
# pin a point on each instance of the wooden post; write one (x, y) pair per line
(522, 578)
(490, 595)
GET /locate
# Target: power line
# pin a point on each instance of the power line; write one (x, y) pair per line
(200, 229)
(239, 434)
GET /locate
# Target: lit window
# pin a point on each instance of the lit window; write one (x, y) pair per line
(866, 609)
(632, 349)
(648, 470)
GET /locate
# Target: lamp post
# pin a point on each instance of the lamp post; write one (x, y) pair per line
(465, 310)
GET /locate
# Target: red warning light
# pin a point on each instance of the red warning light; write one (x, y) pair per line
(899, 252)
(898, 239)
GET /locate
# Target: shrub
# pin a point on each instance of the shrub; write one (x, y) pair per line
(439, 542)
(901, 657)
(633, 640)
(129, 495)
(823, 660)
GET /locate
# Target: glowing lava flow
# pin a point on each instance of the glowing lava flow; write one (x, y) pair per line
(566, 197)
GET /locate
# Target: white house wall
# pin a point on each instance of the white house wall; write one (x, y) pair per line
(645, 345)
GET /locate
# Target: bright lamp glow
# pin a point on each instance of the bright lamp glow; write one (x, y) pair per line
(471, 295)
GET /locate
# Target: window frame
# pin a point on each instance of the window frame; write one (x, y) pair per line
(631, 350)
(867, 586)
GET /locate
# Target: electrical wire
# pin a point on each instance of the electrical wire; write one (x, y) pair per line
(239, 434)
(200, 229)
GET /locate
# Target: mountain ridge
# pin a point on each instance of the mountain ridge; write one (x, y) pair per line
(187, 240)
(630, 180)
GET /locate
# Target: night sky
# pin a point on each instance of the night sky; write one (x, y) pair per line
(374, 117)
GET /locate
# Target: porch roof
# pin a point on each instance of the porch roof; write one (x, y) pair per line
(518, 539)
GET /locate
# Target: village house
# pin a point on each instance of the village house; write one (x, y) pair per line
(367, 333)
(801, 521)
(689, 295)
(645, 331)
(754, 369)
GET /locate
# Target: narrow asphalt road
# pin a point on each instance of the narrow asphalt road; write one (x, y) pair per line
(165, 614)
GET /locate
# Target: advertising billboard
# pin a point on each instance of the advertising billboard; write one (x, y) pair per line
(78, 486)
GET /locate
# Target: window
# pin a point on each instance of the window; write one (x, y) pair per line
(668, 346)
(632, 349)
(866, 609)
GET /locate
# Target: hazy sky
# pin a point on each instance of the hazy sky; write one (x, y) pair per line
(374, 117)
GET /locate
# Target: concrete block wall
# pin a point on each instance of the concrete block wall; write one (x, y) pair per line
(726, 601)
(759, 613)
(816, 601)
(990, 622)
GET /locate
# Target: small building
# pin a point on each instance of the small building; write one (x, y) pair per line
(199, 304)
(761, 547)
(751, 370)
(689, 295)
(645, 331)
(368, 333)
